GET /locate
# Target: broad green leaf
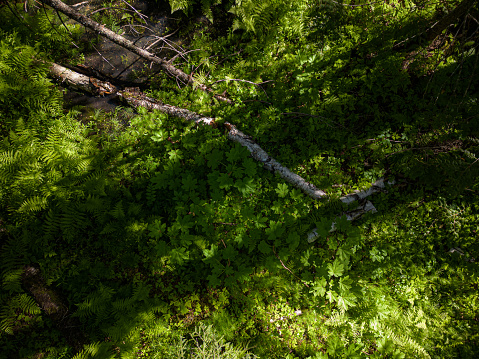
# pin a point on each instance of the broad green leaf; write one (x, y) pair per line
(189, 183)
(179, 255)
(225, 181)
(235, 154)
(282, 190)
(157, 229)
(230, 252)
(213, 280)
(305, 258)
(250, 167)
(245, 186)
(323, 227)
(342, 224)
(332, 296)
(293, 240)
(346, 300)
(344, 254)
(345, 283)
(214, 158)
(319, 287)
(264, 247)
(175, 155)
(161, 248)
(210, 253)
(336, 268)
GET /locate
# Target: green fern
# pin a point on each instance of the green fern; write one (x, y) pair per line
(21, 303)
(263, 17)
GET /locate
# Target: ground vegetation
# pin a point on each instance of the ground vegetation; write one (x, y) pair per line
(137, 234)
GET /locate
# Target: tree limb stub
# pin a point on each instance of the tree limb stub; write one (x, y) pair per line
(51, 303)
(127, 44)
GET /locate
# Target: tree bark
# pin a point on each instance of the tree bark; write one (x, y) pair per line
(127, 44)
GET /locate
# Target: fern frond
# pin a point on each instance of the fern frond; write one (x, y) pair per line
(117, 212)
(33, 204)
(21, 303)
(97, 304)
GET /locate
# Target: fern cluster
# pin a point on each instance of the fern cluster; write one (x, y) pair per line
(42, 28)
(25, 92)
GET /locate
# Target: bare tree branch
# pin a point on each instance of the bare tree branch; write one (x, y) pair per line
(120, 40)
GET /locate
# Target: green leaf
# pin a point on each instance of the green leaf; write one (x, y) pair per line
(214, 158)
(344, 254)
(282, 190)
(346, 300)
(179, 255)
(159, 136)
(342, 224)
(213, 280)
(305, 258)
(319, 287)
(157, 229)
(264, 247)
(210, 253)
(345, 283)
(332, 296)
(229, 252)
(250, 167)
(260, 220)
(323, 227)
(189, 183)
(245, 186)
(225, 181)
(335, 345)
(335, 269)
(235, 154)
(293, 240)
(175, 155)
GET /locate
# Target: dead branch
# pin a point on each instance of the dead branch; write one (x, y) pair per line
(271, 164)
(120, 40)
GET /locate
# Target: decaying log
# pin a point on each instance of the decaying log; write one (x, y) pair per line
(376, 187)
(127, 44)
(82, 82)
(52, 305)
(137, 99)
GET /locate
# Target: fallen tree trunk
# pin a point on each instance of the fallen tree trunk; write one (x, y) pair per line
(136, 99)
(357, 196)
(127, 44)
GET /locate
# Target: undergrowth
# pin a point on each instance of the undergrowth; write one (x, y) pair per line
(164, 239)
